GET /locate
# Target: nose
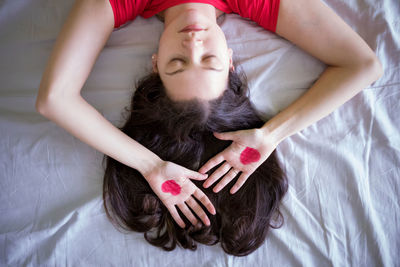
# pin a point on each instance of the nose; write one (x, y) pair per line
(192, 40)
(191, 43)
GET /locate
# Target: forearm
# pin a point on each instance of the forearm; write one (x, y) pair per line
(83, 121)
(335, 86)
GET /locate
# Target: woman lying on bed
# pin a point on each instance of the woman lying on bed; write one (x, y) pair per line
(193, 62)
(182, 132)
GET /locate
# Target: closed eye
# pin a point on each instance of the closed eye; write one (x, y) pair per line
(177, 59)
(207, 59)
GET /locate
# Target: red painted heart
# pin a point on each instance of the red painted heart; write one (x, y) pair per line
(172, 187)
(249, 155)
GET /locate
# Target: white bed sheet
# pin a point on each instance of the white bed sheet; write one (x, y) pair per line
(342, 208)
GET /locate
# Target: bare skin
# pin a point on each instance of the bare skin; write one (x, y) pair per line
(352, 65)
(186, 61)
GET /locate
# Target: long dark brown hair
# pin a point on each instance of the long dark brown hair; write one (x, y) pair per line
(181, 132)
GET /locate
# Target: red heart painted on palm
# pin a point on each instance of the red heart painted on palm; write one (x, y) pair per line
(249, 155)
(172, 187)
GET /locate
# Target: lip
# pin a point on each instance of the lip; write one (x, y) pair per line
(193, 28)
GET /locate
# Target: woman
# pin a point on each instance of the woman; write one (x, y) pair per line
(182, 132)
(191, 28)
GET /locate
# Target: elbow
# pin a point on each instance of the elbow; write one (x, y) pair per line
(40, 105)
(49, 103)
(373, 67)
(42, 99)
(45, 103)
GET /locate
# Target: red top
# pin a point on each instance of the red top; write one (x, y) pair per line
(263, 12)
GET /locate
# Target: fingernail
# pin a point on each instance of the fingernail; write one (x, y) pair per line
(205, 185)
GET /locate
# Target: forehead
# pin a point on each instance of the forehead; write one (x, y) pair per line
(191, 84)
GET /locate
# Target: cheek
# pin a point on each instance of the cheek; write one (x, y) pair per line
(172, 187)
(249, 155)
(166, 45)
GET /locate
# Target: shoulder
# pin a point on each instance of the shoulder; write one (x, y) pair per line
(125, 11)
(263, 12)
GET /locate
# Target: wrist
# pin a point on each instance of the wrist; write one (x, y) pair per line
(148, 165)
(277, 129)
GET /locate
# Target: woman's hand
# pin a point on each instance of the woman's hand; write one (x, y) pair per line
(250, 148)
(171, 183)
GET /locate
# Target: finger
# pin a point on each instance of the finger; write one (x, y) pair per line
(198, 210)
(226, 135)
(214, 161)
(227, 178)
(196, 175)
(175, 215)
(242, 179)
(186, 211)
(204, 200)
(217, 174)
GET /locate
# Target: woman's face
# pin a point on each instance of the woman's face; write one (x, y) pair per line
(193, 59)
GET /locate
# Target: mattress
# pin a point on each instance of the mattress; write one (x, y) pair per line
(342, 207)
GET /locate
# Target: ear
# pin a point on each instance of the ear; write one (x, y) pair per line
(231, 67)
(154, 62)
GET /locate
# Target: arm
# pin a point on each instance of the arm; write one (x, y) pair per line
(81, 39)
(352, 65)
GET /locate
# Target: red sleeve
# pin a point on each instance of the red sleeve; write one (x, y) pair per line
(126, 10)
(264, 12)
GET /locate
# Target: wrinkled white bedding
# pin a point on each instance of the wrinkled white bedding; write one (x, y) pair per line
(342, 208)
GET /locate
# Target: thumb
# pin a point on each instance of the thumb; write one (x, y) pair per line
(226, 135)
(196, 175)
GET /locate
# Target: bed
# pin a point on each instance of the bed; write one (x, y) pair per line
(343, 203)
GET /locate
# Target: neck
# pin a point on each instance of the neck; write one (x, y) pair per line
(173, 12)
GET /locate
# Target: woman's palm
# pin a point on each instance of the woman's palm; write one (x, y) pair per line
(173, 186)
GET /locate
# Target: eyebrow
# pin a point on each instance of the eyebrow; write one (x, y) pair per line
(182, 70)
